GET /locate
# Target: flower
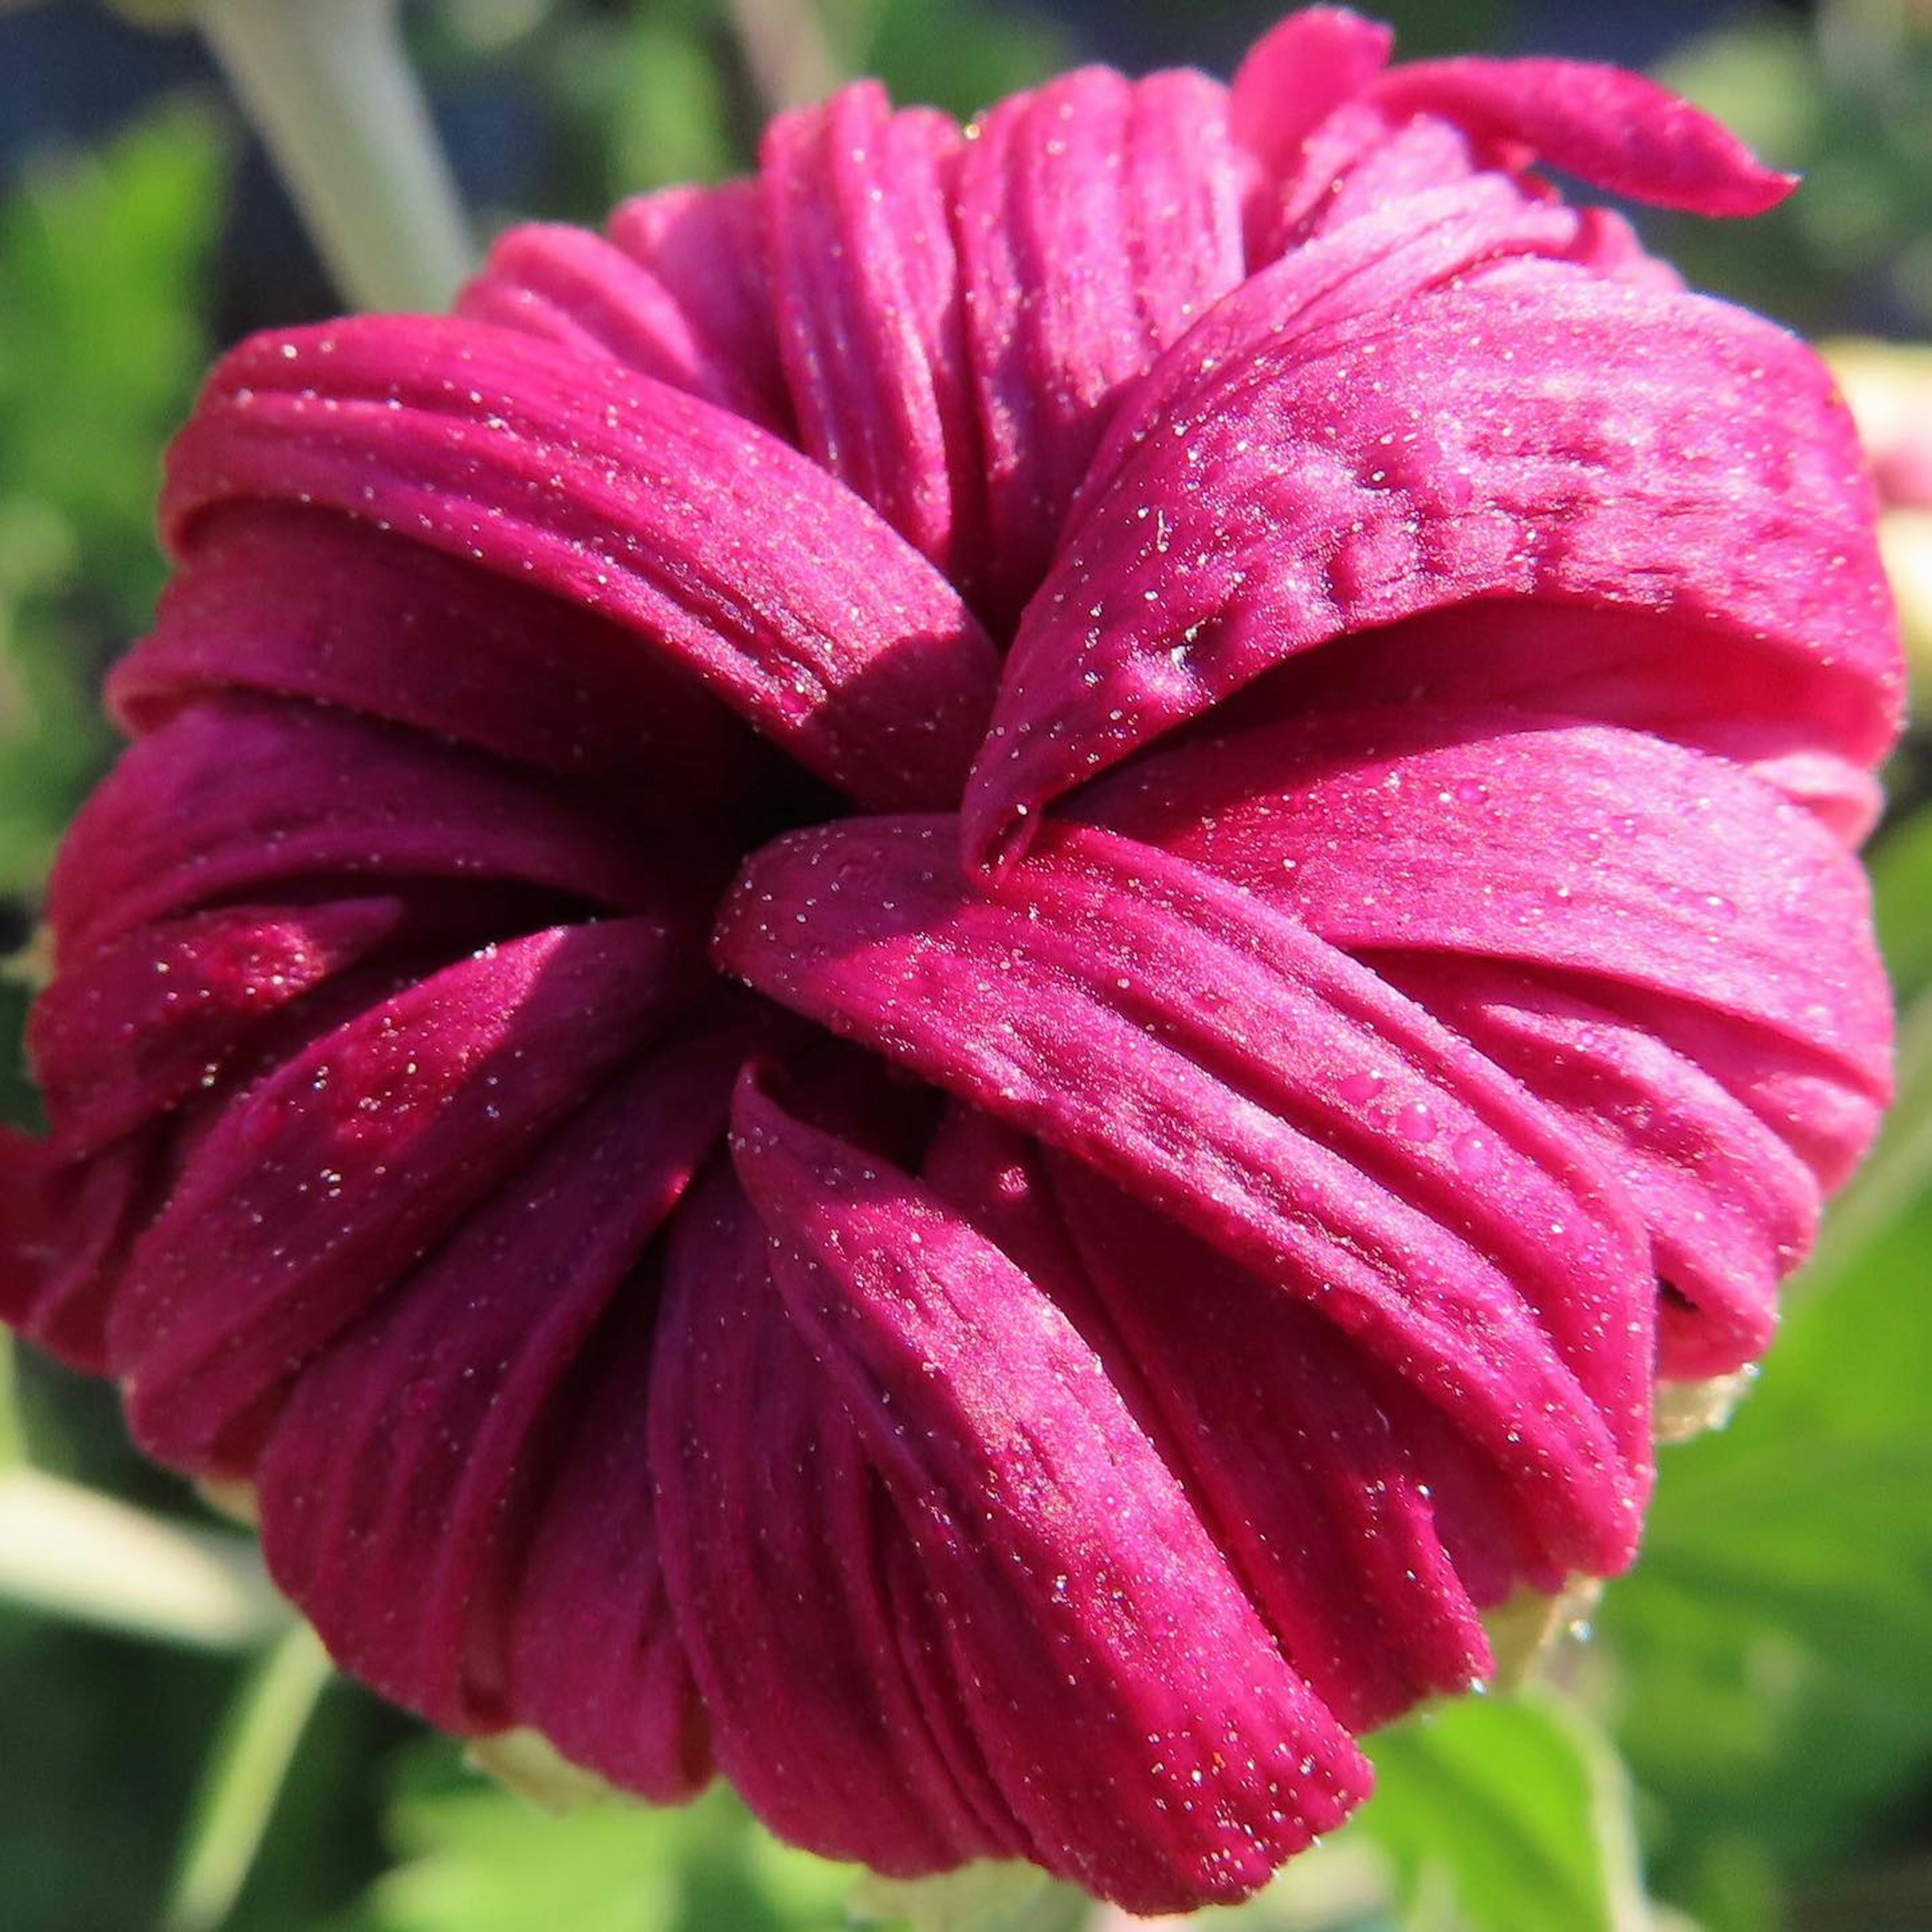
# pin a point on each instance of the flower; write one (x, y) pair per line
(1888, 385)
(940, 982)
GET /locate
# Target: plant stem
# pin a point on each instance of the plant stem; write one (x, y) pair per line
(785, 51)
(329, 88)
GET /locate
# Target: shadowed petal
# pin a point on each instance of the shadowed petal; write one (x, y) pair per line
(1098, 217)
(417, 1455)
(1276, 1099)
(140, 1024)
(236, 796)
(1408, 414)
(318, 1186)
(871, 323)
(790, 1582)
(1131, 1708)
(279, 600)
(716, 543)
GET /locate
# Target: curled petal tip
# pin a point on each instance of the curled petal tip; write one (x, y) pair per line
(1612, 128)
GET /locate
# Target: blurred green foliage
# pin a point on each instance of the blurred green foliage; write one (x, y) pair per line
(1752, 1712)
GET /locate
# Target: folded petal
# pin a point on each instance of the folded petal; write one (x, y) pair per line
(789, 1583)
(1731, 1207)
(717, 544)
(320, 1186)
(1411, 413)
(1129, 1704)
(1278, 1101)
(134, 1029)
(1297, 75)
(707, 247)
(404, 1489)
(1606, 854)
(871, 321)
(291, 602)
(1613, 128)
(1097, 218)
(1806, 726)
(238, 796)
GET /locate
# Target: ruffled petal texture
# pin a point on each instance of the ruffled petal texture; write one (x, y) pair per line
(940, 981)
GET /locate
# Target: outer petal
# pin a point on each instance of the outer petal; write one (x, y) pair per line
(1301, 1452)
(1806, 726)
(871, 321)
(1130, 1708)
(1213, 1057)
(1604, 853)
(1614, 128)
(1731, 1207)
(791, 1589)
(235, 796)
(1098, 217)
(65, 1229)
(709, 538)
(417, 1457)
(136, 1028)
(707, 246)
(1333, 1491)
(1371, 429)
(295, 603)
(1655, 943)
(323, 1183)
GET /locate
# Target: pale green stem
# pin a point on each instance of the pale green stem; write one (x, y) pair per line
(785, 50)
(244, 1779)
(71, 1552)
(328, 86)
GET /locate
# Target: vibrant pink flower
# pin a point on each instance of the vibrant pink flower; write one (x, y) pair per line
(940, 981)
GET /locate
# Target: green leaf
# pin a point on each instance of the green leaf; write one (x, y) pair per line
(244, 1779)
(477, 1858)
(1506, 1814)
(1901, 874)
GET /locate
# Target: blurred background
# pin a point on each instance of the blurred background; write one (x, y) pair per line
(1743, 1743)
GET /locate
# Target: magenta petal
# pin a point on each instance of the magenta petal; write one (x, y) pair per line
(65, 1229)
(1613, 128)
(1294, 1443)
(137, 1027)
(1072, 1004)
(707, 247)
(1380, 425)
(788, 1576)
(320, 1186)
(1293, 78)
(1108, 1665)
(1810, 726)
(718, 544)
(289, 602)
(871, 325)
(1097, 219)
(1606, 854)
(1730, 1207)
(416, 1461)
(235, 796)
